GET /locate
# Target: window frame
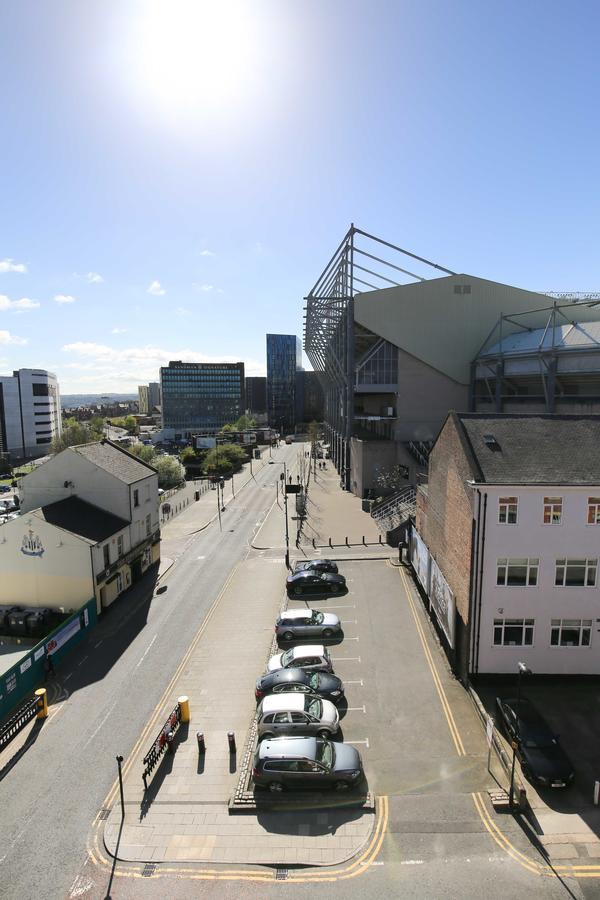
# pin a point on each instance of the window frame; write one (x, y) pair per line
(505, 510)
(526, 624)
(590, 563)
(585, 625)
(593, 503)
(532, 564)
(551, 505)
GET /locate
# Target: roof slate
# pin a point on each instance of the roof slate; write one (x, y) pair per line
(544, 449)
(113, 459)
(81, 518)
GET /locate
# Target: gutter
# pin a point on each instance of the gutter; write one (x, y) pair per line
(481, 558)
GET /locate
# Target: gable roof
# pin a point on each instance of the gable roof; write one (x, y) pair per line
(81, 518)
(116, 460)
(533, 449)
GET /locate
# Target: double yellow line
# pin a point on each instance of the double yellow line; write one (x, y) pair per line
(458, 743)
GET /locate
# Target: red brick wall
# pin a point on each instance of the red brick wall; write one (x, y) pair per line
(444, 514)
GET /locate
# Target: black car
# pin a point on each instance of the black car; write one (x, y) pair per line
(316, 565)
(543, 761)
(285, 681)
(314, 583)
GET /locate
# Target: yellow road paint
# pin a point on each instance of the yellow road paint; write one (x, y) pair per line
(454, 732)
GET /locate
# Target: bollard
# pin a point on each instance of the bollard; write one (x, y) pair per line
(42, 700)
(596, 792)
(184, 709)
(379, 538)
(522, 799)
(231, 741)
(314, 544)
(170, 742)
(330, 544)
(347, 544)
(201, 743)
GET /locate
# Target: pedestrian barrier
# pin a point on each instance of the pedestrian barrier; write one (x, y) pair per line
(162, 742)
(28, 711)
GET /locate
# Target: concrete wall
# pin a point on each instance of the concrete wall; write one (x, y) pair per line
(370, 457)
(424, 397)
(531, 538)
(60, 578)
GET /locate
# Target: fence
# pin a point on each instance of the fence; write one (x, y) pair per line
(160, 744)
(19, 720)
(28, 673)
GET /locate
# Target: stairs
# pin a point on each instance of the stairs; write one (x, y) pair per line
(395, 509)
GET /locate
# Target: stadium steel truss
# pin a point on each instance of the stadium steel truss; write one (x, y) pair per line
(329, 327)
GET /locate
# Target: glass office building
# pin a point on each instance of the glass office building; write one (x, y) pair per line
(201, 396)
(284, 360)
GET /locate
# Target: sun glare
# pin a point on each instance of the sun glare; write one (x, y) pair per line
(193, 55)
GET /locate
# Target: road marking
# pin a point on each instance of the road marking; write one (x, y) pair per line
(412, 862)
(351, 638)
(97, 645)
(66, 678)
(146, 651)
(345, 658)
(366, 742)
(200, 557)
(360, 681)
(81, 661)
(356, 709)
(454, 732)
(341, 606)
(95, 732)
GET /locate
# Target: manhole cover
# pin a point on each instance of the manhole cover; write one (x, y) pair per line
(281, 874)
(148, 870)
(104, 814)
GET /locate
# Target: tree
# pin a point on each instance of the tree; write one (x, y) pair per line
(130, 424)
(188, 454)
(74, 433)
(224, 459)
(245, 423)
(227, 428)
(170, 471)
(144, 452)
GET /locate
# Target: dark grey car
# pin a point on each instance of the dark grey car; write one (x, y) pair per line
(305, 762)
(307, 623)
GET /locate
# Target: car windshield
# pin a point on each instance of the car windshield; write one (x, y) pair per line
(314, 681)
(536, 736)
(315, 708)
(325, 754)
(286, 658)
(318, 618)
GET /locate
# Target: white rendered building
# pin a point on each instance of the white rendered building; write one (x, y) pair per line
(30, 413)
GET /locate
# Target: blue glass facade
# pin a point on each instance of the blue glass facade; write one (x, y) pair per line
(201, 396)
(284, 359)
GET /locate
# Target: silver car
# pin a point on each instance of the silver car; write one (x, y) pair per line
(281, 714)
(299, 623)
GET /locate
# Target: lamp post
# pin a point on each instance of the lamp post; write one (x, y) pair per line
(283, 478)
(522, 669)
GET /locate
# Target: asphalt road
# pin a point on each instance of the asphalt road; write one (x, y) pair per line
(114, 680)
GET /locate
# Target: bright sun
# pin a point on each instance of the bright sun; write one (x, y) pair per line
(193, 55)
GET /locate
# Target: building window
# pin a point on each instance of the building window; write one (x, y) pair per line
(120, 546)
(513, 632)
(136, 497)
(507, 510)
(593, 510)
(576, 572)
(571, 632)
(106, 552)
(552, 510)
(517, 572)
(148, 525)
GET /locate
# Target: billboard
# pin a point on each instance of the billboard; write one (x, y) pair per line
(419, 557)
(204, 442)
(442, 600)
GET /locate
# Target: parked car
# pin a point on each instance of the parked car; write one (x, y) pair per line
(312, 657)
(280, 714)
(299, 623)
(316, 565)
(308, 582)
(295, 762)
(543, 761)
(299, 680)
(4, 488)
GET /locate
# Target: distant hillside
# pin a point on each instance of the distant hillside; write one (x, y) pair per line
(94, 399)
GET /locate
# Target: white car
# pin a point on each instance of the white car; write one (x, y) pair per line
(312, 657)
(282, 714)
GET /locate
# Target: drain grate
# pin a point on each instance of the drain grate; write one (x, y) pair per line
(148, 870)
(281, 874)
(104, 814)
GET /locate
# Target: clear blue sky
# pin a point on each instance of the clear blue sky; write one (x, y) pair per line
(203, 161)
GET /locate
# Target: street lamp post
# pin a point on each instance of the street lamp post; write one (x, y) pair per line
(287, 533)
(522, 669)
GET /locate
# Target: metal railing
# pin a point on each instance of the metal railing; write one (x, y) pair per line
(160, 744)
(19, 720)
(396, 509)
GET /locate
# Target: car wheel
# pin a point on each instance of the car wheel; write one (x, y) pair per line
(327, 632)
(324, 733)
(275, 787)
(298, 590)
(334, 588)
(288, 636)
(341, 785)
(267, 736)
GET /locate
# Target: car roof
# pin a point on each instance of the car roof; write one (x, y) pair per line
(292, 674)
(297, 614)
(308, 650)
(306, 573)
(283, 703)
(284, 747)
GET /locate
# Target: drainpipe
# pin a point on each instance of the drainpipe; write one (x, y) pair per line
(485, 497)
(473, 582)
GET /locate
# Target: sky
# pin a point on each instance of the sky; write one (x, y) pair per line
(175, 175)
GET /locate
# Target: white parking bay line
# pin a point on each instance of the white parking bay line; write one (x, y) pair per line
(351, 639)
(345, 658)
(360, 681)
(356, 709)
(366, 742)
(342, 606)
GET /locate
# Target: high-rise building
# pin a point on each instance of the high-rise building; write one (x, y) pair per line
(256, 394)
(310, 400)
(284, 360)
(201, 396)
(30, 414)
(143, 399)
(153, 395)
